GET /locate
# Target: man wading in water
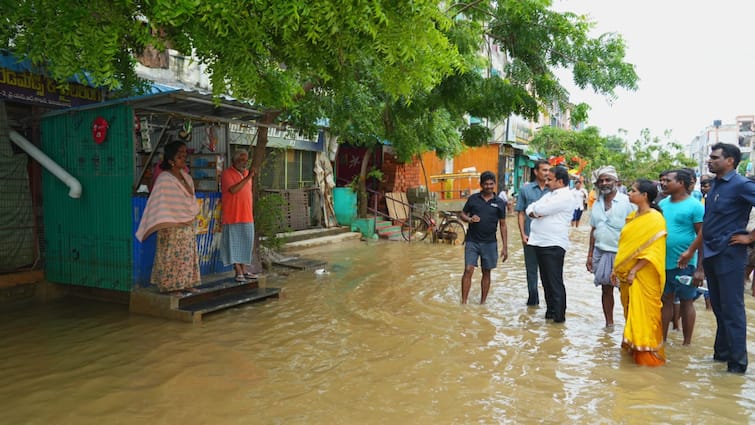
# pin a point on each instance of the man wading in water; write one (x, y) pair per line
(484, 211)
(609, 214)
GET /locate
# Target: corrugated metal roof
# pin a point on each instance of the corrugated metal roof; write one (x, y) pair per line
(183, 103)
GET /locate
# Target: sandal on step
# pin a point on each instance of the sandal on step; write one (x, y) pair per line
(251, 276)
(240, 278)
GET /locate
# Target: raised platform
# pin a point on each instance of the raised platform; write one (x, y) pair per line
(219, 294)
(316, 237)
(21, 278)
(301, 235)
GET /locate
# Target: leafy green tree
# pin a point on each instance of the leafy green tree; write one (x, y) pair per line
(649, 155)
(268, 51)
(646, 157)
(420, 58)
(535, 39)
(615, 144)
(404, 71)
(586, 144)
(557, 141)
(286, 57)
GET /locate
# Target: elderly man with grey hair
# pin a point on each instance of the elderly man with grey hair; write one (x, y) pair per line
(608, 216)
(238, 216)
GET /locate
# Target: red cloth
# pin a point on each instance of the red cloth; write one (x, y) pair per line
(237, 207)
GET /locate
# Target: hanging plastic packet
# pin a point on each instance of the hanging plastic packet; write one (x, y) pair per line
(146, 142)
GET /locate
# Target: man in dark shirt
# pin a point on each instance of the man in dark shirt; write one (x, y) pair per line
(705, 185)
(484, 211)
(725, 239)
(528, 194)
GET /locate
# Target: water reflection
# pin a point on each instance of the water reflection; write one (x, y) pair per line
(381, 339)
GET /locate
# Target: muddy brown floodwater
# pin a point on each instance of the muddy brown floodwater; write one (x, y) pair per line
(381, 339)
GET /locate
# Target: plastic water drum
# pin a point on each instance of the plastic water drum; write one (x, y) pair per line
(344, 205)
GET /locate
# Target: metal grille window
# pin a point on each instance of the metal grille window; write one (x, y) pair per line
(18, 248)
(290, 173)
(288, 169)
(20, 220)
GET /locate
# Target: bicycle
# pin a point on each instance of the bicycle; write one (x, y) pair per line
(450, 230)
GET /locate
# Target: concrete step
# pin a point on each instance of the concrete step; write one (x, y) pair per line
(383, 223)
(21, 278)
(220, 293)
(22, 287)
(318, 241)
(389, 229)
(394, 237)
(392, 233)
(230, 300)
(302, 235)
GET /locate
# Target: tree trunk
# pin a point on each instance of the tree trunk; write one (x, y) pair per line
(362, 198)
(258, 158)
(424, 172)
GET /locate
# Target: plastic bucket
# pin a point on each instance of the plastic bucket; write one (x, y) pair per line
(344, 205)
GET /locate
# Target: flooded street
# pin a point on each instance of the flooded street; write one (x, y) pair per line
(381, 339)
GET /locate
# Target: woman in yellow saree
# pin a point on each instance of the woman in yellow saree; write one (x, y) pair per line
(640, 270)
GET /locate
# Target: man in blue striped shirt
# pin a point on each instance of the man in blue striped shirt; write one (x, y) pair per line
(528, 194)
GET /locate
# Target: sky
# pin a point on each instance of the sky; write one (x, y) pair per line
(695, 62)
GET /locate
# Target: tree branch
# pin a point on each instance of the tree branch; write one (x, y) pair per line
(464, 7)
(551, 51)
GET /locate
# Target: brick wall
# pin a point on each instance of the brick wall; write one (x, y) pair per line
(398, 177)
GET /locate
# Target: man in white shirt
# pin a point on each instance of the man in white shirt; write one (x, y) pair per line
(504, 197)
(608, 216)
(549, 233)
(580, 194)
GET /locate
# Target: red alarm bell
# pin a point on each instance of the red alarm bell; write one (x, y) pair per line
(99, 129)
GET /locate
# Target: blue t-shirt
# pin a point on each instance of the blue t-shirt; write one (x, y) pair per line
(680, 225)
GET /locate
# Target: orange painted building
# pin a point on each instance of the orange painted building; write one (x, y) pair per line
(484, 158)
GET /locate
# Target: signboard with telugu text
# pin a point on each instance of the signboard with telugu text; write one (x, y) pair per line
(28, 87)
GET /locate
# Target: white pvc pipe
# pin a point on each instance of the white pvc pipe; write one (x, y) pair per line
(48, 163)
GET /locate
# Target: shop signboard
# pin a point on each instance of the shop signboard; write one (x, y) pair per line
(246, 134)
(28, 87)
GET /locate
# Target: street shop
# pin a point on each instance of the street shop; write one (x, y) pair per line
(111, 151)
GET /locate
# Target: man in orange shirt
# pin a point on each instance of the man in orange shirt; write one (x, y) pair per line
(238, 218)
